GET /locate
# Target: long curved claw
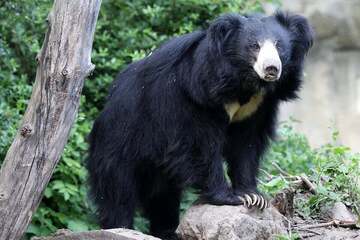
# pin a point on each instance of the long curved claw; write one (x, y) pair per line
(262, 203)
(255, 199)
(267, 204)
(248, 200)
(243, 200)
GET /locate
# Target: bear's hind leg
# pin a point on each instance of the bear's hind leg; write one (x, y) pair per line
(115, 196)
(163, 212)
(116, 215)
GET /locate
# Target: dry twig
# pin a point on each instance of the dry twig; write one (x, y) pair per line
(310, 231)
(268, 175)
(308, 184)
(307, 235)
(281, 170)
(328, 224)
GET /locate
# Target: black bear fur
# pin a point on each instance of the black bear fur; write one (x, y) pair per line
(164, 126)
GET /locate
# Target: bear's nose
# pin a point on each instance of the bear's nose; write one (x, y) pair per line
(271, 72)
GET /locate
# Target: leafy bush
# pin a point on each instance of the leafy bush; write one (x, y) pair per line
(21, 31)
(126, 31)
(333, 169)
(337, 179)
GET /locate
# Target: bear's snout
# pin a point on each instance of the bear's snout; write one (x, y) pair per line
(268, 63)
(271, 73)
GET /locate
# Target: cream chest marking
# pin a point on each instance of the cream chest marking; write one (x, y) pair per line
(239, 112)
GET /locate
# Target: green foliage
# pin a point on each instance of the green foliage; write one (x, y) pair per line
(21, 30)
(126, 31)
(333, 169)
(290, 147)
(337, 178)
(291, 236)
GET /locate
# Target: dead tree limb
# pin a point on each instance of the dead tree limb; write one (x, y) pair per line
(63, 64)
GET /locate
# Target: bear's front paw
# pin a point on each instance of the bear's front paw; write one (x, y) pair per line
(221, 198)
(254, 199)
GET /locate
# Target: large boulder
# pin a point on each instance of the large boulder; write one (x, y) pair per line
(230, 223)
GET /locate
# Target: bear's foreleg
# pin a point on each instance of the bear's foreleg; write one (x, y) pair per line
(214, 187)
(246, 145)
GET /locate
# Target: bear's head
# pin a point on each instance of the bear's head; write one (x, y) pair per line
(259, 51)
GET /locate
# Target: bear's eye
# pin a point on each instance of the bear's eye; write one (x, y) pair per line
(255, 46)
(277, 45)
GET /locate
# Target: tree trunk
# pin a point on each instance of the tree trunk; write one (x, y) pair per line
(63, 63)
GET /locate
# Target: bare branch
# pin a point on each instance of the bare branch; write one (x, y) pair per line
(63, 64)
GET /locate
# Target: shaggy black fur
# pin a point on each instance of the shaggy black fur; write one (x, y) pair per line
(164, 126)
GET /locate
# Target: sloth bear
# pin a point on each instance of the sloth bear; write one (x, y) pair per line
(174, 117)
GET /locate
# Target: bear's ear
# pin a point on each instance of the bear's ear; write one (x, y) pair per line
(220, 30)
(300, 29)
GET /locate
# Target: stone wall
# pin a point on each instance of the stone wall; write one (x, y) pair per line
(330, 97)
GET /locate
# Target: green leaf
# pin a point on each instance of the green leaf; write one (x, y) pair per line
(77, 226)
(278, 181)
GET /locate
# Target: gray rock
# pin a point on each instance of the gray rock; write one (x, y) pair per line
(338, 212)
(113, 234)
(341, 213)
(230, 223)
(331, 233)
